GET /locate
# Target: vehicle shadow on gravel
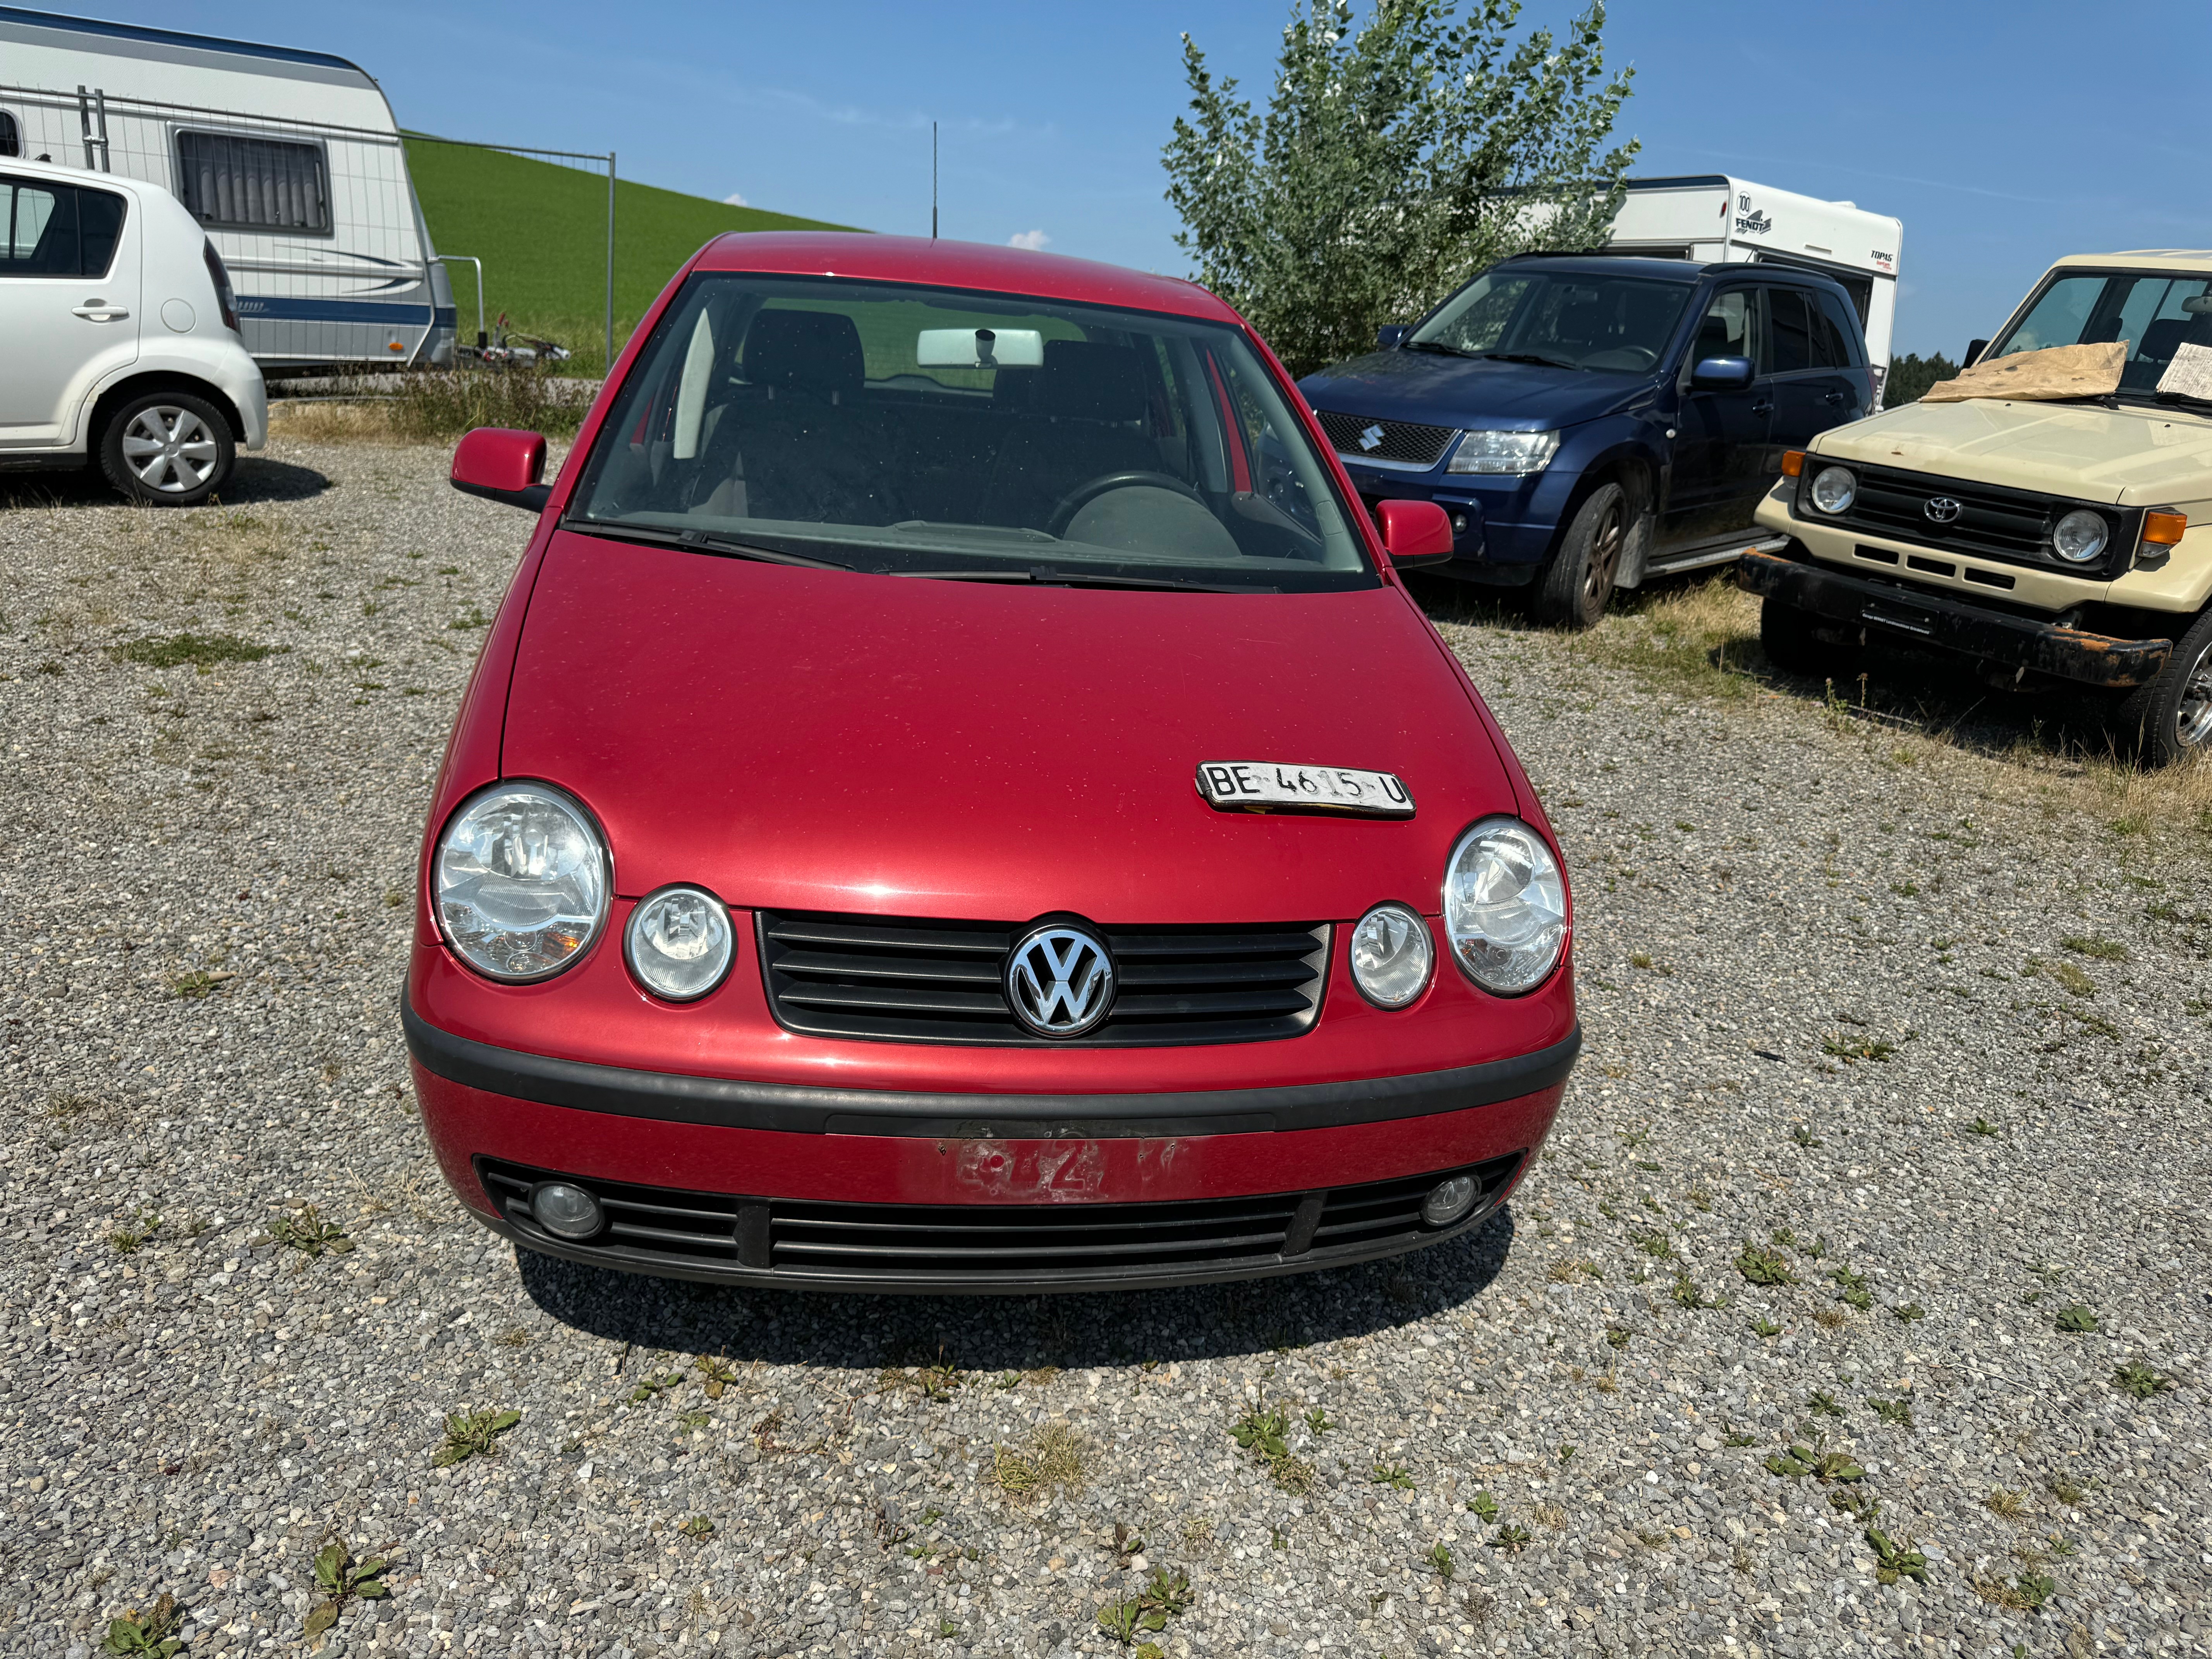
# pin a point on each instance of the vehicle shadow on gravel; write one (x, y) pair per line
(1002, 1333)
(258, 480)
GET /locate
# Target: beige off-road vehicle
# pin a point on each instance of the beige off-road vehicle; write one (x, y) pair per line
(2042, 528)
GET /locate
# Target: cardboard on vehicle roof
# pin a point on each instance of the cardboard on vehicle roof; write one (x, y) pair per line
(2075, 371)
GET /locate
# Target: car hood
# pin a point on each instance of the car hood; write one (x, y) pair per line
(2127, 456)
(818, 740)
(1440, 391)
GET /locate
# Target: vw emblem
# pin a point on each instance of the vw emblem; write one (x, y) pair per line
(1060, 982)
(1942, 508)
(1372, 439)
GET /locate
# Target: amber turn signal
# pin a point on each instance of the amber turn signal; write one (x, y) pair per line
(1793, 463)
(2162, 527)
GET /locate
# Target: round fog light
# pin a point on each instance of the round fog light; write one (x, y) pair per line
(1391, 956)
(566, 1210)
(679, 943)
(1450, 1201)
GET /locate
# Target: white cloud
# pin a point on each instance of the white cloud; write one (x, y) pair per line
(1033, 240)
(736, 200)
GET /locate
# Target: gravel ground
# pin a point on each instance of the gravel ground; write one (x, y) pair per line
(1936, 1045)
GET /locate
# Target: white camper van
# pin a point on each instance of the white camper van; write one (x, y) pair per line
(1719, 220)
(290, 161)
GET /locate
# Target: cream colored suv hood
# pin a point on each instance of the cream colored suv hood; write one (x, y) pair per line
(2127, 457)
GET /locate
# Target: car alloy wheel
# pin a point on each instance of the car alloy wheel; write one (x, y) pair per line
(1606, 541)
(170, 449)
(2192, 714)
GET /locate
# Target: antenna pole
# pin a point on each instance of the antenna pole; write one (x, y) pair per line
(932, 181)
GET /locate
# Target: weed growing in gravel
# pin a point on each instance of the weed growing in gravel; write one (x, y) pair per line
(1653, 1244)
(1981, 1126)
(652, 1385)
(1317, 1422)
(697, 1527)
(307, 1232)
(1265, 1432)
(132, 1633)
(1800, 1460)
(2075, 1318)
(341, 1579)
(1765, 1326)
(715, 1374)
(1761, 1266)
(1687, 1295)
(1511, 1539)
(1824, 1404)
(1852, 1288)
(2007, 1503)
(2066, 1489)
(127, 1239)
(1896, 1413)
(1895, 1561)
(1909, 1313)
(1053, 1463)
(1484, 1507)
(1617, 1336)
(2064, 975)
(1831, 1319)
(2027, 1594)
(1852, 1050)
(2139, 1380)
(473, 1434)
(2104, 949)
(194, 985)
(1863, 1506)
(1440, 1561)
(1394, 1475)
(1803, 1135)
(200, 650)
(1572, 1273)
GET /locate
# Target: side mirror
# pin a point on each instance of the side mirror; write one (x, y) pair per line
(1974, 350)
(1415, 533)
(502, 465)
(1391, 336)
(1721, 374)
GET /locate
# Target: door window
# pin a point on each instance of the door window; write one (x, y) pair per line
(1844, 330)
(1730, 328)
(56, 230)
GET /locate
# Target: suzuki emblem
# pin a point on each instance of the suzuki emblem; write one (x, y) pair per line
(1371, 440)
(1942, 508)
(1060, 982)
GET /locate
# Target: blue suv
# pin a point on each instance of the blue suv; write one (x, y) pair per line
(1588, 420)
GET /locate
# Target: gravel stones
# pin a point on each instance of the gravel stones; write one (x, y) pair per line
(1787, 1049)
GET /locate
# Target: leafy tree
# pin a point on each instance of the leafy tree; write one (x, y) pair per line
(1910, 375)
(1393, 161)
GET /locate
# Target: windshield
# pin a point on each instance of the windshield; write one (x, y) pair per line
(1611, 325)
(2153, 313)
(924, 431)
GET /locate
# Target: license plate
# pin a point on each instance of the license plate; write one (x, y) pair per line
(1269, 787)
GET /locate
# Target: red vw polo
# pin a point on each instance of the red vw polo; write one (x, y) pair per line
(958, 798)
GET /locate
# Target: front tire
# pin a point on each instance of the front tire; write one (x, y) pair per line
(1575, 585)
(1788, 638)
(167, 449)
(2170, 718)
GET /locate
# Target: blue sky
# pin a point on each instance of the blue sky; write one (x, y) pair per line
(2003, 134)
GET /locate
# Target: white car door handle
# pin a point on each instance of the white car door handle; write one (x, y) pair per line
(99, 311)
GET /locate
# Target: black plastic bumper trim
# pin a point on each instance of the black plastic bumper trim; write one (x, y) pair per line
(721, 1102)
(1954, 624)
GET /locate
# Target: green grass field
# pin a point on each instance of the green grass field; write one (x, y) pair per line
(540, 230)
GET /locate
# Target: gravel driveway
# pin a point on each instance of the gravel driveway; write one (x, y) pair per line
(1889, 1145)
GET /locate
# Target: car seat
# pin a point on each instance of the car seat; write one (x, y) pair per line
(1087, 420)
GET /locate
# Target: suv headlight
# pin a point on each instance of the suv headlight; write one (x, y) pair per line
(1505, 906)
(521, 881)
(1834, 489)
(1504, 452)
(2080, 536)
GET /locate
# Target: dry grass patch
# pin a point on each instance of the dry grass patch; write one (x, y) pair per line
(1055, 1462)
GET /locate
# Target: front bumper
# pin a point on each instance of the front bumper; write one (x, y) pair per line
(1892, 610)
(825, 1189)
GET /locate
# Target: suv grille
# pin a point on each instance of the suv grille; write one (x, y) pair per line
(1407, 443)
(943, 982)
(1993, 522)
(660, 1229)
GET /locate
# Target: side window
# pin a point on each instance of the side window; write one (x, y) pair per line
(254, 184)
(1730, 328)
(38, 228)
(100, 226)
(1791, 331)
(11, 136)
(1846, 328)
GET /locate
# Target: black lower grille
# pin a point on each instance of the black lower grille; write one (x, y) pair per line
(710, 1235)
(1406, 443)
(1987, 521)
(944, 981)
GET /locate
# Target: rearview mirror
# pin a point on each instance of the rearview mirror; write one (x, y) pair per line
(1974, 350)
(1721, 374)
(502, 465)
(1415, 533)
(1391, 336)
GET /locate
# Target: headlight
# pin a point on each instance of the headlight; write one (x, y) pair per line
(678, 941)
(1505, 452)
(1834, 489)
(1505, 906)
(521, 881)
(1391, 956)
(2080, 536)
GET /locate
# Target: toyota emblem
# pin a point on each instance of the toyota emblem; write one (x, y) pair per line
(1060, 982)
(1942, 508)
(1371, 439)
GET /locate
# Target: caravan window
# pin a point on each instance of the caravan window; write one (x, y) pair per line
(235, 183)
(11, 136)
(49, 229)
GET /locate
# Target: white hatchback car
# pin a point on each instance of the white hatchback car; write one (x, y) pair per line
(121, 342)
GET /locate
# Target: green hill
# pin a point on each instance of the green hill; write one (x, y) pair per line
(540, 230)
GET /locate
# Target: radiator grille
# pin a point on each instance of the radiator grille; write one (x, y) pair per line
(1406, 443)
(667, 1230)
(1993, 522)
(942, 981)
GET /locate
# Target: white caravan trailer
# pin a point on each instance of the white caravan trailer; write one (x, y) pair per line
(290, 160)
(1720, 221)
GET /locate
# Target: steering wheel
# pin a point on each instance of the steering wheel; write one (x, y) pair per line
(1083, 493)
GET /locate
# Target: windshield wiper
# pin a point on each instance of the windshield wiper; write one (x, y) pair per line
(1048, 576)
(1524, 357)
(1438, 347)
(699, 541)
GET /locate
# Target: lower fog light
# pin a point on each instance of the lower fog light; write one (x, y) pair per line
(568, 1212)
(1450, 1201)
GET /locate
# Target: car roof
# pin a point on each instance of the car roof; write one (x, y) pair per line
(86, 175)
(2147, 258)
(979, 266)
(1612, 264)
